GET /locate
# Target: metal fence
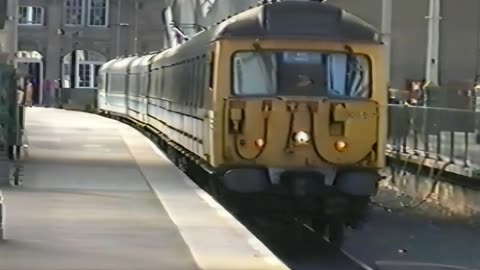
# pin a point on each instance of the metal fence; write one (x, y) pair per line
(437, 133)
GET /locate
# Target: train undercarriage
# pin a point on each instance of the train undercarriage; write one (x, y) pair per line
(328, 213)
(327, 206)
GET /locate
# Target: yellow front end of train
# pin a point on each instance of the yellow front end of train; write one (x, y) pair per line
(300, 104)
(314, 112)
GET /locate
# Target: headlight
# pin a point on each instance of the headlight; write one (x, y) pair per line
(259, 143)
(302, 137)
(340, 146)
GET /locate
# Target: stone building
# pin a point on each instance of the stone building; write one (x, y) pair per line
(68, 40)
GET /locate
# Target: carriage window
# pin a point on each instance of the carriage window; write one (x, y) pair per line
(301, 74)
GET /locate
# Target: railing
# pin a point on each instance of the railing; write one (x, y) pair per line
(437, 133)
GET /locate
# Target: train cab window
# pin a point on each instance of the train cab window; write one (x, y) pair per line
(301, 74)
(254, 74)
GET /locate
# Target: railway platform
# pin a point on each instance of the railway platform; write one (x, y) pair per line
(97, 194)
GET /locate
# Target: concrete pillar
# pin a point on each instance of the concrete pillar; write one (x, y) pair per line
(135, 31)
(433, 47)
(9, 34)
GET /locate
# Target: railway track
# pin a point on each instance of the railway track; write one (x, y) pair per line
(296, 244)
(301, 248)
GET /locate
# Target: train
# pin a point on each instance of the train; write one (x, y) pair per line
(283, 106)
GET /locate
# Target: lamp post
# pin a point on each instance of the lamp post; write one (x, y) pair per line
(119, 26)
(135, 38)
(119, 12)
(431, 72)
(477, 51)
(387, 35)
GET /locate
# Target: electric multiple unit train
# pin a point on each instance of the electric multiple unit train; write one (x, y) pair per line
(283, 104)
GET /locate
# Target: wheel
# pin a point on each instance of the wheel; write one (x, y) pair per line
(336, 233)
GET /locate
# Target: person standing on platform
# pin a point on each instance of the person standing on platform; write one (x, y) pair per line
(29, 93)
(46, 93)
(57, 95)
(20, 93)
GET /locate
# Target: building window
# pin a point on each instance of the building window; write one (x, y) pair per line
(30, 15)
(66, 83)
(74, 12)
(97, 12)
(87, 74)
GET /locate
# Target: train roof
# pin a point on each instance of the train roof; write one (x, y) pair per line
(141, 64)
(119, 66)
(307, 20)
(106, 66)
(297, 19)
(158, 59)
